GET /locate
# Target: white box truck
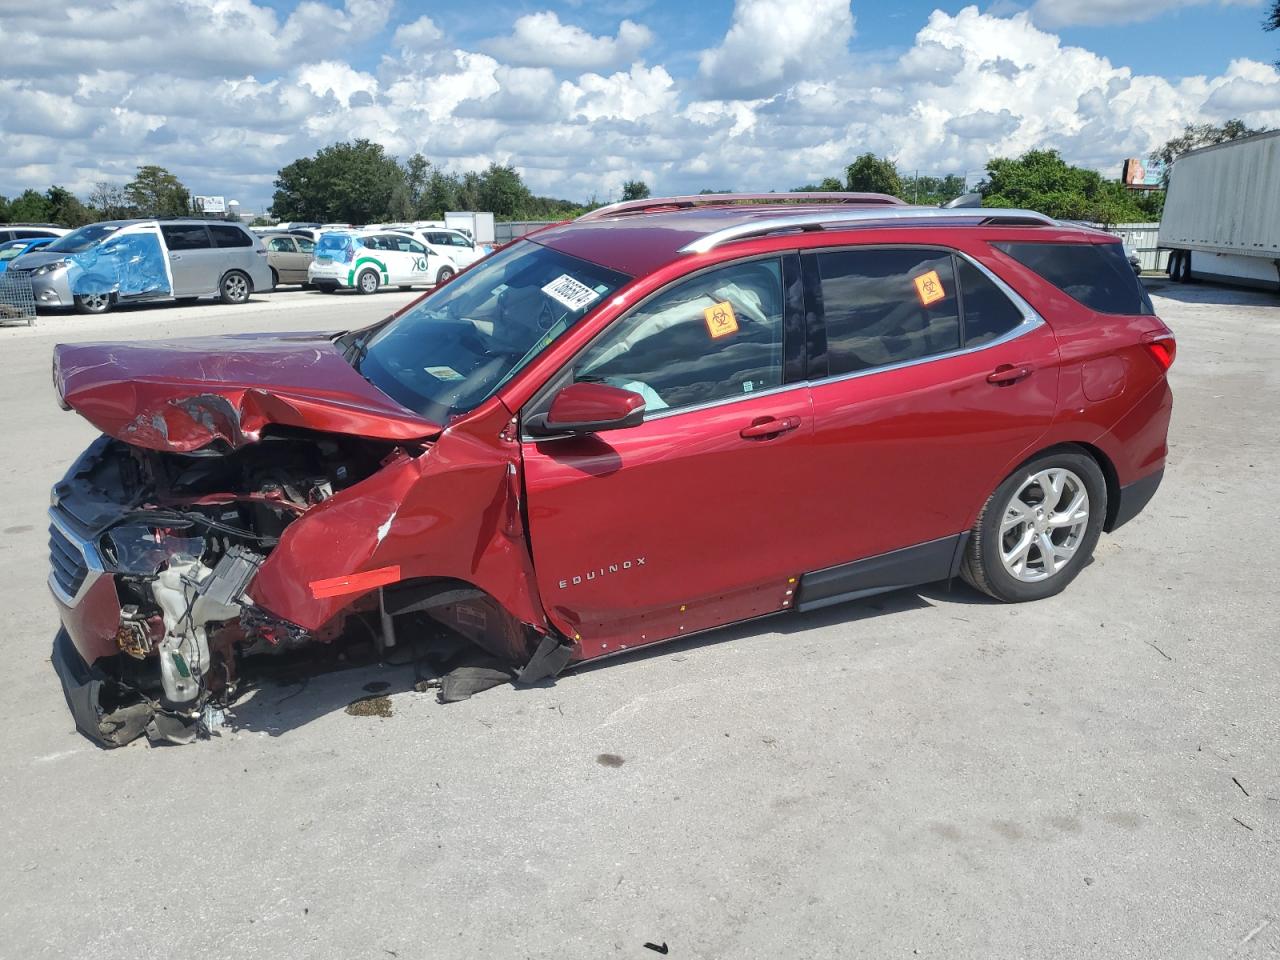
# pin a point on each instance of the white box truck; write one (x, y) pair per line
(479, 226)
(1222, 213)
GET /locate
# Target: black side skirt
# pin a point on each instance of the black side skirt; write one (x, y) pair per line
(923, 563)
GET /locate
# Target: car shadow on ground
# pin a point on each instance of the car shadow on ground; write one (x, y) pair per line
(291, 696)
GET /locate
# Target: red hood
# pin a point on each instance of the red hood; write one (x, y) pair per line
(185, 394)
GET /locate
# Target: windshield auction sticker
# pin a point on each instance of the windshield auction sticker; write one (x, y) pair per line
(568, 291)
(929, 288)
(720, 320)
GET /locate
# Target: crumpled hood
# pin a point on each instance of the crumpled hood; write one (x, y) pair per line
(182, 395)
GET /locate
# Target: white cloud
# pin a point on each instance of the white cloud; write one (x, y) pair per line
(772, 43)
(970, 86)
(541, 40)
(1067, 13)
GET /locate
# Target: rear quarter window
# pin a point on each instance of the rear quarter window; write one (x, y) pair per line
(228, 236)
(1096, 274)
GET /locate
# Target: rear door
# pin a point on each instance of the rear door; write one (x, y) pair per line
(918, 413)
(192, 260)
(687, 521)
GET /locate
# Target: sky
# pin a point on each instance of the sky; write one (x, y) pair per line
(583, 95)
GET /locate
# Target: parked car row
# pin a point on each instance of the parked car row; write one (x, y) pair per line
(114, 262)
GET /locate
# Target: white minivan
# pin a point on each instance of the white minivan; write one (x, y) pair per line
(367, 261)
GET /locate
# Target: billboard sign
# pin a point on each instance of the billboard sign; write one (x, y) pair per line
(211, 204)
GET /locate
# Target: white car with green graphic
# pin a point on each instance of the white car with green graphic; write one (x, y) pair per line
(368, 261)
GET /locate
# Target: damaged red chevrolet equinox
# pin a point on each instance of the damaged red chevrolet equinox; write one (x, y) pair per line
(660, 418)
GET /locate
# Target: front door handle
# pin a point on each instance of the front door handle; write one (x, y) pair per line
(764, 427)
(174, 256)
(1007, 373)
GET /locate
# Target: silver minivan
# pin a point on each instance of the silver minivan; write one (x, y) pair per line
(132, 261)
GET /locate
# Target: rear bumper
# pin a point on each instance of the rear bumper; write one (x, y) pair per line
(1133, 499)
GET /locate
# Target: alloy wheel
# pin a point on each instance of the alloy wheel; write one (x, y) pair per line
(96, 302)
(1043, 524)
(237, 288)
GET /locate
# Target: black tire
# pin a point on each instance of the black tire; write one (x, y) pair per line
(983, 566)
(275, 278)
(235, 287)
(444, 275)
(368, 282)
(94, 303)
(326, 287)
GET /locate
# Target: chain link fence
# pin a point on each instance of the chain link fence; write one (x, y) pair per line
(17, 299)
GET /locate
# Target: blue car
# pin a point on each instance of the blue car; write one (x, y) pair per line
(13, 249)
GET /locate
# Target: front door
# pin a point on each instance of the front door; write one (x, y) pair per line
(685, 522)
(917, 414)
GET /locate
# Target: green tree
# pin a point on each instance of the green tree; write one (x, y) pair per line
(931, 191)
(635, 190)
(349, 182)
(30, 207)
(155, 192)
(439, 194)
(1272, 20)
(828, 185)
(1199, 135)
(502, 192)
(66, 209)
(1041, 180)
(872, 174)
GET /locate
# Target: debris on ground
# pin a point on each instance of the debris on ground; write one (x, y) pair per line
(373, 706)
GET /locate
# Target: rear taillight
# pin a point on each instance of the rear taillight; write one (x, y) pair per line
(1162, 347)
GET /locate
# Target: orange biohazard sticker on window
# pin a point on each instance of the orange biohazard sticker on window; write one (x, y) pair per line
(929, 288)
(720, 320)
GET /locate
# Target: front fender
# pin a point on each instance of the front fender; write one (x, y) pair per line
(453, 512)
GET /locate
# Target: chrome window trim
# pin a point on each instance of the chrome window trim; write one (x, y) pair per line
(93, 564)
(1031, 320)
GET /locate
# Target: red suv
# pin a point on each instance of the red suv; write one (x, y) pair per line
(657, 419)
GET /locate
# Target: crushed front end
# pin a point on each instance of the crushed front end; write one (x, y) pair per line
(152, 555)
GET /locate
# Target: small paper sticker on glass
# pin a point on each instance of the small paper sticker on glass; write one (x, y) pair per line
(570, 292)
(444, 373)
(720, 320)
(929, 288)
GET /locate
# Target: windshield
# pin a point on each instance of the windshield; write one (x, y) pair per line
(13, 248)
(459, 345)
(79, 240)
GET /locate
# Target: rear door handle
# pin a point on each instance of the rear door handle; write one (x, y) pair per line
(1007, 373)
(764, 427)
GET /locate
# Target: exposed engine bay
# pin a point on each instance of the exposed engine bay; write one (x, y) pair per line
(182, 536)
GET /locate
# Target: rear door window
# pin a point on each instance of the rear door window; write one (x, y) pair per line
(714, 337)
(885, 306)
(228, 236)
(304, 245)
(280, 245)
(185, 236)
(1097, 275)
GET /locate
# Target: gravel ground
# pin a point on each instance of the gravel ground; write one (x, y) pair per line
(921, 774)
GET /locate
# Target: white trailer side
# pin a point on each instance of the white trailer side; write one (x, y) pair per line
(1222, 213)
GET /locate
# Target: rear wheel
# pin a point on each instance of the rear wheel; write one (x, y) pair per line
(1039, 529)
(93, 303)
(368, 282)
(234, 288)
(444, 275)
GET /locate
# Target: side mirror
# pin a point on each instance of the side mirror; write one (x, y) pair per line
(589, 408)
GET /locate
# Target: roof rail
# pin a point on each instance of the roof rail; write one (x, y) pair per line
(840, 218)
(654, 204)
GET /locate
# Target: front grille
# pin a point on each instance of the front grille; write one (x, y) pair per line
(68, 563)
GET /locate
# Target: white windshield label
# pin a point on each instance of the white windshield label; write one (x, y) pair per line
(574, 295)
